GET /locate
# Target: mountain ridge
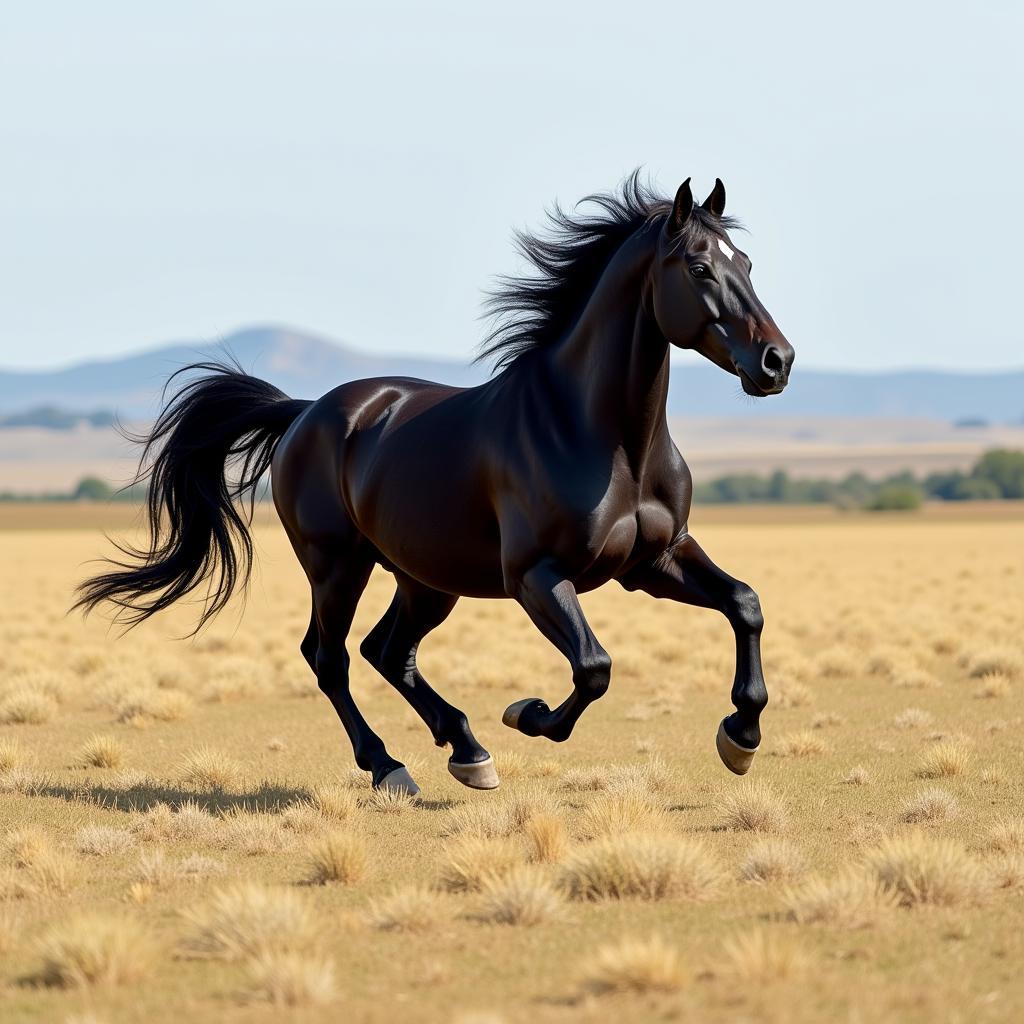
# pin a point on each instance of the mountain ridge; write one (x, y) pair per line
(306, 365)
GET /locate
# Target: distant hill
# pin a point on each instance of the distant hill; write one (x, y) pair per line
(306, 365)
(49, 417)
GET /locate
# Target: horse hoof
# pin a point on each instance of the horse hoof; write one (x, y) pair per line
(514, 711)
(736, 758)
(399, 781)
(478, 775)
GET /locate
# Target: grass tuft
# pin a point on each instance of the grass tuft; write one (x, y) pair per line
(945, 760)
(930, 805)
(614, 813)
(637, 866)
(340, 857)
(761, 958)
(412, 908)
(100, 752)
(96, 952)
(635, 967)
(548, 838)
(850, 900)
(772, 860)
(801, 744)
(472, 860)
(753, 807)
(926, 870)
(209, 771)
(290, 979)
(249, 919)
(523, 896)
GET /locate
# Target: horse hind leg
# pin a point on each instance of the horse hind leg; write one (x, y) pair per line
(391, 648)
(338, 579)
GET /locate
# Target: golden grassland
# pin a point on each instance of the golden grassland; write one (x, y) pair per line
(182, 832)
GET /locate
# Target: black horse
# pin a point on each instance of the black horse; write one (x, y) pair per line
(553, 478)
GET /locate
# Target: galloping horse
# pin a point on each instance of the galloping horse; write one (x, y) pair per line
(553, 478)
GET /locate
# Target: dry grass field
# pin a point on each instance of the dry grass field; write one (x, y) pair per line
(182, 835)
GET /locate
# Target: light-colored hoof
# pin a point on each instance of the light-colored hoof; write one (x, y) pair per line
(513, 711)
(736, 758)
(399, 781)
(481, 775)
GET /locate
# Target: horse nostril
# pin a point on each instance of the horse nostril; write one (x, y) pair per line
(772, 362)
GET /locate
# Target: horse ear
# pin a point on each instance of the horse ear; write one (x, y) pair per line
(681, 209)
(715, 202)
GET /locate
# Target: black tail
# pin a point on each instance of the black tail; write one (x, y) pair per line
(197, 534)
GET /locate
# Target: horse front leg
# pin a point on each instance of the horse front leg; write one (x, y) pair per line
(551, 602)
(686, 574)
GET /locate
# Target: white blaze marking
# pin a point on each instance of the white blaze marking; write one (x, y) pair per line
(725, 249)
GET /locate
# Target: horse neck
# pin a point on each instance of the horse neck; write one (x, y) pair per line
(617, 356)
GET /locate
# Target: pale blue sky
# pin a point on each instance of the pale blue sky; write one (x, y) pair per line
(175, 171)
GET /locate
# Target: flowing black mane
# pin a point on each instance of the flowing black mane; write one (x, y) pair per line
(535, 311)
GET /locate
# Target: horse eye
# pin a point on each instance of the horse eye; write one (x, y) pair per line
(698, 270)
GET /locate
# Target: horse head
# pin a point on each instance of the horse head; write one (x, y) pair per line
(703, 299)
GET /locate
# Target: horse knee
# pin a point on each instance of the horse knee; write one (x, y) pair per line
(745, 609)
(593, 675)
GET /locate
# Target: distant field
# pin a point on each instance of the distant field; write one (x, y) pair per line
(871, 867)
(34, 460)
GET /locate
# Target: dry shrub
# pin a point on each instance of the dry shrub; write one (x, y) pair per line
(249, 919)
(994, 685)
(209, 771)
(837, 662)
(585, 780)
(484, 819)
(826, 720)
(304, 819)
(26, 707)
(930, 805)
(41, 869)
(761, 958)
(1006, 836)
(944, 760)
(290, 979)
(388, 800)
(753, 806)
(858, 775)
(12, 755)
(190, 823)
(772, 860)
(1007, 871)
(992, 776)
(917, 679)
(801, 744)
(196, 867)
(412, 908)
(850, 900)
(154, 870)
(634, 966)
(912, 718)
(1007, 661)
(142, 705)
(791, 695)
(647, 867)
(614, 813)
(549, 840)
(23, 779)
(471, 860)
(652, 776)
(93, 951)
(340, 857)
(523, 896)
(12, 931)
(100, 752)
(103, 840)
(511, 765)
(335, 802)
(252, 832)
(922, 869)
